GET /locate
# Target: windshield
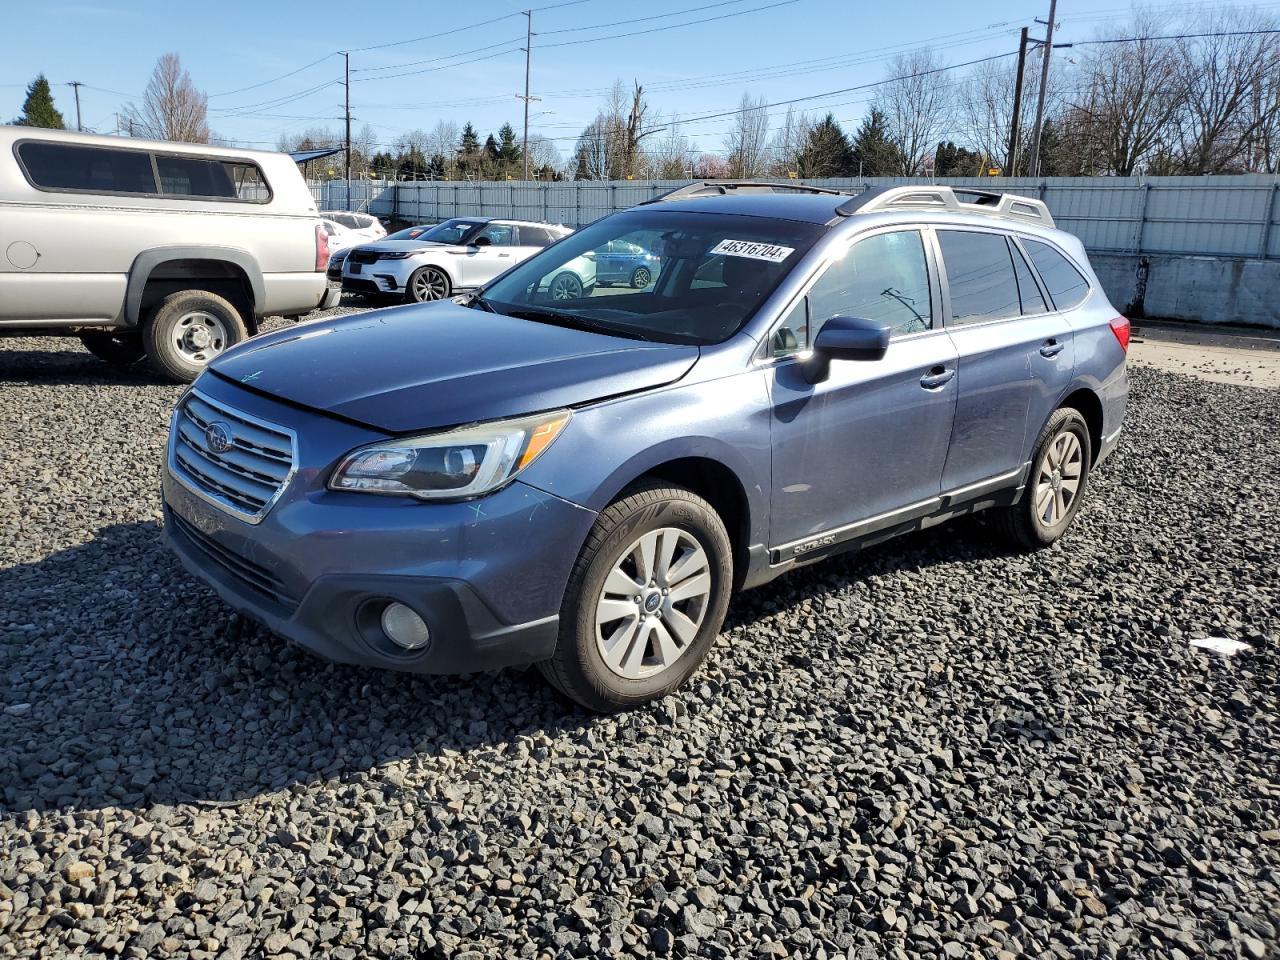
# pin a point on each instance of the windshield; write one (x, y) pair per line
(657, 274)
(408, 233)
(451, 231)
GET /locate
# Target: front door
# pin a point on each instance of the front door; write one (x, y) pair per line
(484, 261)
(871, 439)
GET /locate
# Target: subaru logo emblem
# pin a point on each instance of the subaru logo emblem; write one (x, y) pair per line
(217, 436)
(652, 602)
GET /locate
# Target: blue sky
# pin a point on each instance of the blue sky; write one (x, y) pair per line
(794, 49)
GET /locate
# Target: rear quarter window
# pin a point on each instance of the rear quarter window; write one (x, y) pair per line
(1065, 283)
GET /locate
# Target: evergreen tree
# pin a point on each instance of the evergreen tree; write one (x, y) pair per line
(581, 170)
(952, 161)
(508, 149)
(38, 109)
(873, 148)
(826, 152)
(435, 167)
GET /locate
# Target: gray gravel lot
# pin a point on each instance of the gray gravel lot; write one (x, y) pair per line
(931, 749)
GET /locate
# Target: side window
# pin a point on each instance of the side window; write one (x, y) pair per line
(980, 276)
(195, 177)
(1030, 295)
(1063, 281)
(883, 278)
(67, 166)
(499, 234)
(534, 237)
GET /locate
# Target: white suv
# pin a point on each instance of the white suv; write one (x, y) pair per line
(140, 247)
(459, 254)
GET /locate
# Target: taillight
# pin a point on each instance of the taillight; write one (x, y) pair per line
(322, 249)
(1120, 327)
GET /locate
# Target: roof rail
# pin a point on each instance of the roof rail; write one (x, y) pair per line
(714, 188)
(929, 197)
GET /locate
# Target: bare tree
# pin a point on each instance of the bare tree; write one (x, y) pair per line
(669, 156)
(1131, 94)
(172, 108)
(788, 143)
(747, 141)
(917, 106)
(1218, 75)
(543, 154)
(592, 155)
(313, 138)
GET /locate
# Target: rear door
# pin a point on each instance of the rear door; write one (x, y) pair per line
(1016, 356)
(871, 439)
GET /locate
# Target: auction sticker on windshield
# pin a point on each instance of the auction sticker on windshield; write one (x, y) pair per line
(756, 251)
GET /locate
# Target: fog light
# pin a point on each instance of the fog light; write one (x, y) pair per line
(405, 628)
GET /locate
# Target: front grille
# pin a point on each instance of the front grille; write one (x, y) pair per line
(363, 256)
(360, 286)
(252, 575)
(237, 461)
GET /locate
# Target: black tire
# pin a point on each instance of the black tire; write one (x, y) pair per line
(427, 284)
(578, 669)
(566, 286)
(1024, 525)
(120, 348)
(173, 323)
(641, 277)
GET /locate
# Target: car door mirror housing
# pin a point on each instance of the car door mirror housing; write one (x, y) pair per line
(846, 338)
(482, 242)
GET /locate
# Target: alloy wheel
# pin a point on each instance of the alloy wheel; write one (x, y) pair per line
(430, 285)
(1058, 478)
(653, 603)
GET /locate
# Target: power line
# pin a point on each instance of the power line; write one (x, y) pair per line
(656, 16)
(283, 76)
(451, 56)
(670, 26)
(447, 66)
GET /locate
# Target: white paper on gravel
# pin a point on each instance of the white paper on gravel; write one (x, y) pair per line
(1223, 645)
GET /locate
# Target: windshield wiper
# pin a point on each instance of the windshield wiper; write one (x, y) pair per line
(482, 303)
(575, 322)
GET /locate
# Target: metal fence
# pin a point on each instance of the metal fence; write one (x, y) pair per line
(1223, 216)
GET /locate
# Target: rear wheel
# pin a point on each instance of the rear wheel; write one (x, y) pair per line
(426, 284)
(187, 330)
(566, 286)
(1056, 487)
(641, 278)
(645, 601)
(120, 348)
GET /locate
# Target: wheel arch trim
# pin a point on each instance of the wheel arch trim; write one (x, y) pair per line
(145, 264)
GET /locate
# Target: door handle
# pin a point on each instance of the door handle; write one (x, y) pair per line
(937, 377)
(504, 254)
(1051, 348)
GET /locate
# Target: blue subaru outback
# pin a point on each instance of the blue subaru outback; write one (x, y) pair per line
(510, 477)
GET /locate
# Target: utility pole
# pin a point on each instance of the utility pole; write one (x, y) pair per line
(1011, 169)
(347, 87)
(76, 85)
(1034, 164)
(528, 57)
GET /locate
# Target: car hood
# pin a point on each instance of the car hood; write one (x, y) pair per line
(428, 366)
(388, 246)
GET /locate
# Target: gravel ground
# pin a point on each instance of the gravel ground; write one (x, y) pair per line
(930, 749)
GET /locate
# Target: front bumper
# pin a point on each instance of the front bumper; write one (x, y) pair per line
(380, 277)
(487, 576)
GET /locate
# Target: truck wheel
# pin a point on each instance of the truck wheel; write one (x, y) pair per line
(187, 330)
(120, 348)
(645, 601)
(1057, 484)
(426, 284)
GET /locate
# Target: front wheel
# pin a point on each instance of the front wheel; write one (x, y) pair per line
(641, 278)
(187, 330)
(645, 601)
(1056, 486)
(427, 284)
(120, 348)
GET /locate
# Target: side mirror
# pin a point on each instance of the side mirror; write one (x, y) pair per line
(846, 338)
(482, 242)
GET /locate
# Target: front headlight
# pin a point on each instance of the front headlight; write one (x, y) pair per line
(452, 465)
(398, 255)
